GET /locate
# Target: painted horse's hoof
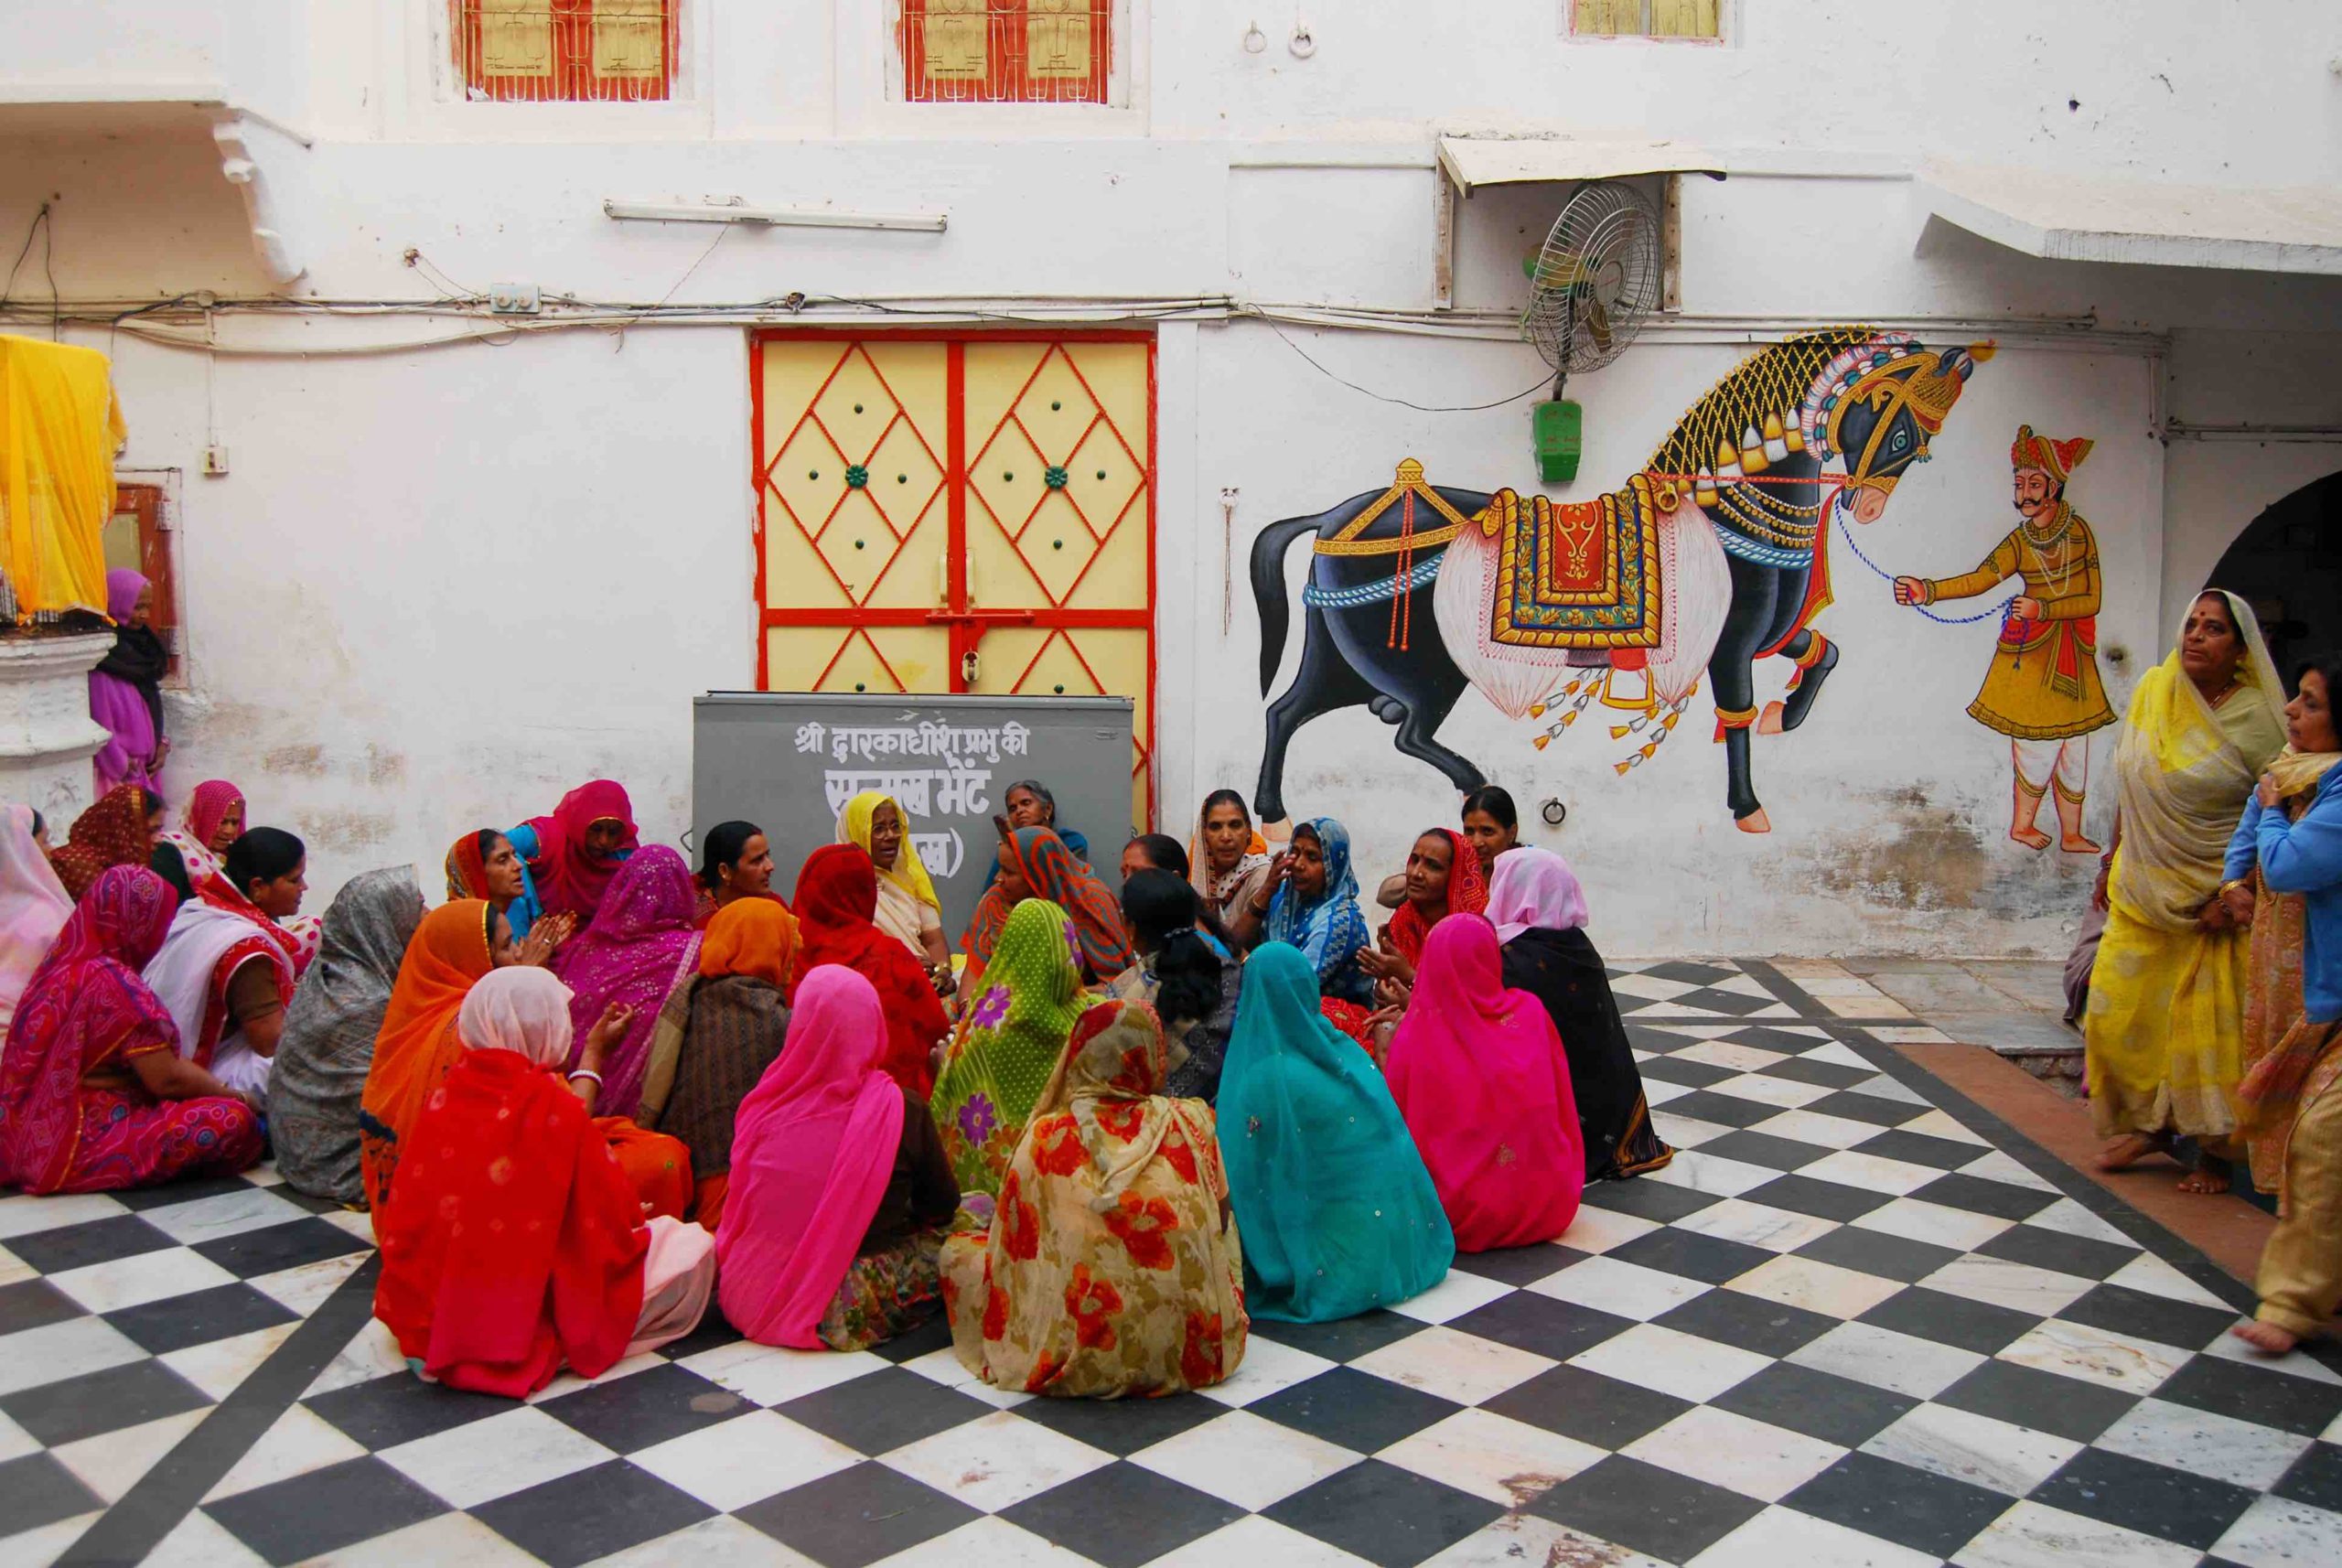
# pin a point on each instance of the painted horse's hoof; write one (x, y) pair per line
(1770, 723)
(1755, 822)
(1278, 832)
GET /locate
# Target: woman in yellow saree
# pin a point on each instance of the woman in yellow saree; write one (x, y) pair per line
(2163, 1031)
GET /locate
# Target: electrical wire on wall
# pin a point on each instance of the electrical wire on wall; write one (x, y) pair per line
(44, 224)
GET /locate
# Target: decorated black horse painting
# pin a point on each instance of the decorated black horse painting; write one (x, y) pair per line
(1706, 561)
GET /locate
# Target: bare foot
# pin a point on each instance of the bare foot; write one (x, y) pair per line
(2075, 844)
(1769, 722)
(2125, 1151)
(2265, 1337)
(1755, 822)
(2204, 1180)
(2030, 837)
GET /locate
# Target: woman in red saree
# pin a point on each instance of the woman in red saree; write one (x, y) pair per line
(1443, 878)
(1035, 863)
(94, 1096)
(837, 903)
(514, 1243)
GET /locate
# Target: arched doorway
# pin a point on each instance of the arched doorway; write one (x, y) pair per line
(2288, 563)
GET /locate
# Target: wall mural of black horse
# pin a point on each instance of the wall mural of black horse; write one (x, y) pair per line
(1710, 558)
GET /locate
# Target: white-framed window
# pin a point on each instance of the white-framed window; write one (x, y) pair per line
(566, 51)
(1009, 51)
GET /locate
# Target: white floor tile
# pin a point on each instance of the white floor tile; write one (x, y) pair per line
(135, 1281)
(2071, 1219)
(1974, 1448)
(569, 1383)
(768, 1376)
(1997, 1167)
(1455, 1365)
(450, 1540)
(14, 1269)
(14, 1440)
(945, 1367)
(227, 1214)
(1881, 1086)
(1818, 1128)
(2276, 1532)
(2202, 1444)
(1837, 1053)
(495, 1457)
(298, 1441)
(1712, 1173)
(1507, 1462)
(2229, 1347)
(1910, 1035)
(1816, 1286)
(2020, 1287)
(221, 1366)
(1658, 1091)
(1681, 1364)
(1877, 1005)
(1452, 1297)
(997, 1461)
(2096, 1355)
(305, 1288)
(1873, 1173)
(1886, 1360)
(24, 1214)
(1247, 1461)
(1627, 1290)
(1780, 1536)
(1524, 1541)
(1598, 1229)
(1683, 1134)
(1942, 1124)
(2032, 1535)
(1916, 1220)
(1250, 1540)
(1788, 1093)
(1726, 1053)
(373, 1352)
(2149, 1273)
(734, 1463)
(38, 1548)
(1267, 1367)
(719, 1542)
(1754, 1458)
(200, 1541)
(112, 1463)
(56, 1351)
(1756, 1224)
(1649, 987)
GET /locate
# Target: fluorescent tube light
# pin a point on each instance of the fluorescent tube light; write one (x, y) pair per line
(782, 217)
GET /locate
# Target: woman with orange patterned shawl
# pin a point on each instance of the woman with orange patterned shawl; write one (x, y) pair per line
(1034, 862)
(1112, 1267)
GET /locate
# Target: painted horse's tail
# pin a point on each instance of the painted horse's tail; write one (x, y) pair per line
(1268, 588)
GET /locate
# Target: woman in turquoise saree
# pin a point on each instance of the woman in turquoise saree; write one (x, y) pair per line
(1338, 1213)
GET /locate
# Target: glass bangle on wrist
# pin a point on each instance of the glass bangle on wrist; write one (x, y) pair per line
(588, 1072)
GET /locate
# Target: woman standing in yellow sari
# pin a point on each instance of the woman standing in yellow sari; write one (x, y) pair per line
(2164, 1027)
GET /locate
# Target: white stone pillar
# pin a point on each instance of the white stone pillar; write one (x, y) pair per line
(46, 736)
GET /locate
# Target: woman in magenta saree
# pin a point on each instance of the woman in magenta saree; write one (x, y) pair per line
(636, 950)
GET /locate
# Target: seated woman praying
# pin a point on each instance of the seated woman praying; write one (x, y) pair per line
(118, 829)
(719, 1030)
(94, 1095)
(635, 951)
(1229, 862)
(228, 971)
(1192, 988)
(1033, 863)
(908, 909)
(1339, 1214)
(328, 1046)
(736, 863)
(1541, 915)
(837, 896)
(514, 1244)
(573, 854)
(1479, 1075)
(1112, 1266)
(1310, 902)
(1008, 1043)
(840, 1189)
(484, 864)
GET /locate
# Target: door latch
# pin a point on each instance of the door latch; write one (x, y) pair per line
(968, 668)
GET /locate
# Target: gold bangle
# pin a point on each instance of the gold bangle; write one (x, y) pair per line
(2233, 882)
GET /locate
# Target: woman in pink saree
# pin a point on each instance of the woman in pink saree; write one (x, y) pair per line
(640, 945)
(1479, 1074)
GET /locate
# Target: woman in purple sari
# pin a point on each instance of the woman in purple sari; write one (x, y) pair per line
(126, 689)
(639, 945)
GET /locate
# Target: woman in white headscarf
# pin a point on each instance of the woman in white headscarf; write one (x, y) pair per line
(33, 906)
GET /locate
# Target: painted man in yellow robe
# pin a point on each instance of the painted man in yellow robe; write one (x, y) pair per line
(2042, 689)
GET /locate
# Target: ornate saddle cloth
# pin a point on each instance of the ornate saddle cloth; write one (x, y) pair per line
(1578, 575)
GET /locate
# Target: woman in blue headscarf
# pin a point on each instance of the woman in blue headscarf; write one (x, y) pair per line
(1338, 1213)
(1310, 900)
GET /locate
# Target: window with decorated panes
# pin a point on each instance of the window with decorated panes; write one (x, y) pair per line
(1647, 19)
(573, 51)
(1006, 51)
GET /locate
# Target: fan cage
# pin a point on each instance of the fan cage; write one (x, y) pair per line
(1597, 279)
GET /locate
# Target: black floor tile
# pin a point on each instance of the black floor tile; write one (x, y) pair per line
(1521, 1266)
(1707, 999)
(1879, 1111)
(2171, 1505)
(858, 1516)
(1746, 1322)
(933, 1334)
(1646, 1509)
(94, 1242)
(1723, 1110)
(1589, 1406)
(2316, 1479)
(1354, 1410)
(2251, 1393)
(2063, 1407)
(271, 1248)
(1826, 1075)
(1823, 1200)
(1386, 1515)
(36, 1490)
(1345, 1339)
(1541, 1324)
(1121, 1427)
(1889, 1256)
(1691, 1255)
(1977, 1325)
(713, 1333)
(1919, 1149)
(2003, 1200)
(879, 1413)
(591, 1513)
(1819, 1404)
(400, 1408)
(1661, 1201)
(2056, 1251)
(1765, 1037)
(1765, 1149)
(628, 1414)
(81, 1407)
(1689, 1074)
(1926, 1512)
(35, 1303)
(1122, 1516)
(325, 1510)
(2166, 1321)
(198, 1317)
(1690, 971)
(191, 1189)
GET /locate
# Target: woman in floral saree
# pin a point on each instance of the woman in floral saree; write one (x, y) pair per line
(1008, 1043)
(1111, 1267)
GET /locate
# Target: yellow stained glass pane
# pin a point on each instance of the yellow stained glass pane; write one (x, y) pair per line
(1683, 19)
(1057, 38)
(1608, 19)
(120, 539)
(515, 38)
(953, 33)
(630, 37)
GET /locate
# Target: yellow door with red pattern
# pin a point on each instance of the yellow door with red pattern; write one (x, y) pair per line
(970, 514)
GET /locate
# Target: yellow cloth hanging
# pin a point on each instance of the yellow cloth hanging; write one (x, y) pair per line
(60, 429)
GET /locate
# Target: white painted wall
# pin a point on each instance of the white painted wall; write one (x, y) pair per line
(438, 587)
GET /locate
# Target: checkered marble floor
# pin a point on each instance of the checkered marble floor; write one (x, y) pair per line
(1856, 1321)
